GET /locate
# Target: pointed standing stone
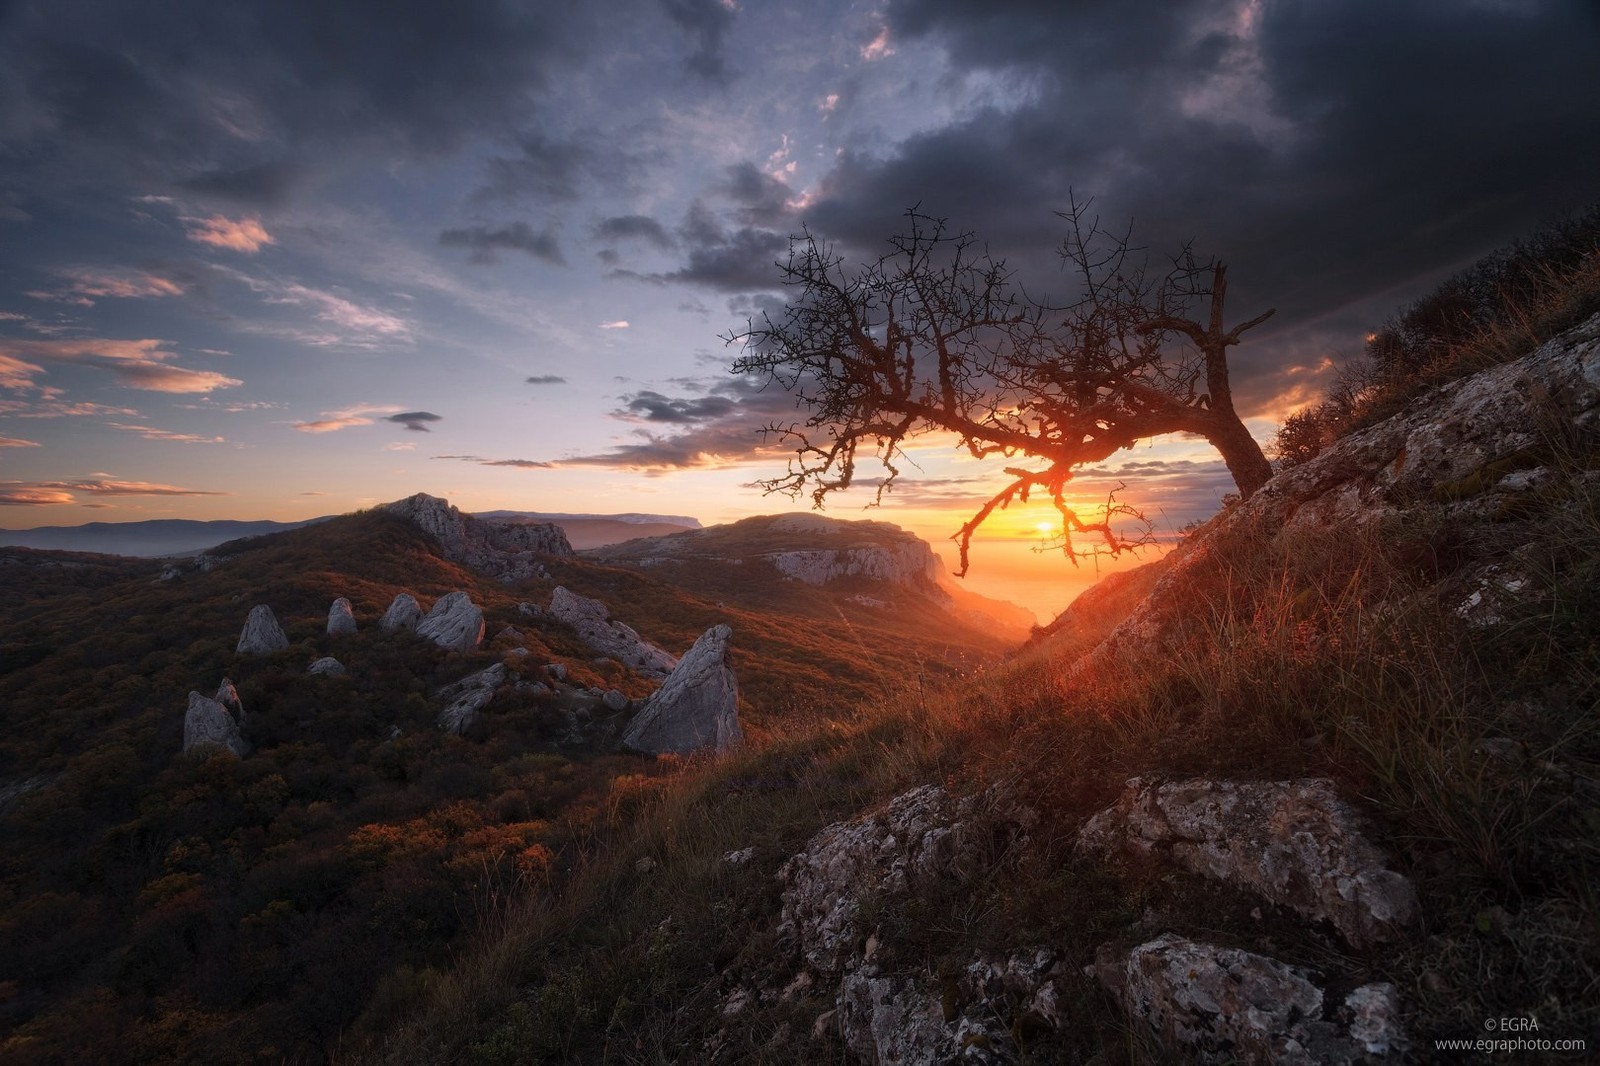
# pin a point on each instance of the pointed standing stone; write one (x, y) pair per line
(403, 613)
(262, 634)
(697, 706)
(341, 618)
(208, 723)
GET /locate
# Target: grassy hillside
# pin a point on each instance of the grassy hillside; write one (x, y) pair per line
(163, 907)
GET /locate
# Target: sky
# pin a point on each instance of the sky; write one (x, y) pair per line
(284, 258)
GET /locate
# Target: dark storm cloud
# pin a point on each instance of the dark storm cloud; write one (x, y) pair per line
(654, 407)
(737, 260)
(416, 421)
(556, 168)
(728, 422)
(229, 97)
(1338, 155)
(264, 185)
(547, 379)
(519, 236)
(762, 198)
(636, 228)
(707, 23)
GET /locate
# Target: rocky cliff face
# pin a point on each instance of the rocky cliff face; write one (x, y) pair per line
(510, 551)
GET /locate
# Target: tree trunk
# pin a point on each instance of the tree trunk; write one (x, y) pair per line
(1246, 462)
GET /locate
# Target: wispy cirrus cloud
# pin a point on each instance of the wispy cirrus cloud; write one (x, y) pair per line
(143, 364)
(521, 464)
(18, 442)
(335, 320)
(152, 433)
(41, 493)
(85, 285)
(246, 235)
(53, 408)
(359, 415)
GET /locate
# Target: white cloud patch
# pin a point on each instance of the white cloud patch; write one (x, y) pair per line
(620, 323)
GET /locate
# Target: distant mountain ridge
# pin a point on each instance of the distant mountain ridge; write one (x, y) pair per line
(183, 536)
(146, 539)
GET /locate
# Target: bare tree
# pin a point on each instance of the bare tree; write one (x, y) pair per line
(936, 335)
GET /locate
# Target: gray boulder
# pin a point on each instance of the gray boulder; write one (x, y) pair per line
(590, 620)
(404, 613)
(341, 618)
(1216, 1004)
(208, 723)
(614, 700)
(1294, 843)
(467, 697)
(696, 708)
(327, 666)
(262, 634)
(454, 623)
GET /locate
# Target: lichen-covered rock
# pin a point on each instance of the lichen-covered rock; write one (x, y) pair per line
(592, 623)
(885, 1019)
(327, 666)
(920, 838)
(696, 708)
(262, 635)
(208, 723)
(1294, 843)
(469, 696)
(341, 618)
(509, 550)
(403, 613)
(1226, 1005)
(455, 623)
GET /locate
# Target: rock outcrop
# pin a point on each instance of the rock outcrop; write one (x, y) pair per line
(341, 618)
(510, 551)
(403, 613)
(467, 697)
(455, 623)
(327, 666)
(696, 708)
(208, 723)
(1293, 843)
(893, 1010)
(262, 634)
(910, 563)
(1220, 1004)
(1474, 451)
(593, 624)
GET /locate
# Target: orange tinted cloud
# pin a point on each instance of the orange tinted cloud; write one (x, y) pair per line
(138, 364)
(242, 235)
